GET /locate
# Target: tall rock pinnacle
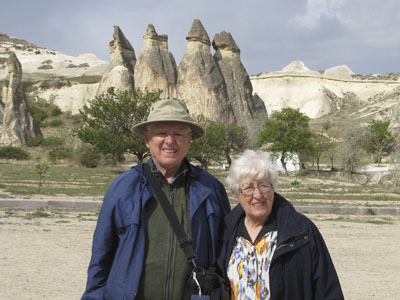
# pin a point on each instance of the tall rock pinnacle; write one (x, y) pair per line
(156, 67)
(249, 111)
(200, 81)
(18, 121)
(120, 71)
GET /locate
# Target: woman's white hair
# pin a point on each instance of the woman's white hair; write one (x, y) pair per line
(251, 165)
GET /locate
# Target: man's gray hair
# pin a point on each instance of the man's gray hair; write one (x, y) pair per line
(251, 165)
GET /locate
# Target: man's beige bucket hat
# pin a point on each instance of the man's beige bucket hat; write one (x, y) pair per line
(170, 111)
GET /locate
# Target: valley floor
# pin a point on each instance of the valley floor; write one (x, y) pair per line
(45, 254)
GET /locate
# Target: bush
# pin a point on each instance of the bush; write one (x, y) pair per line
(61, 153)
(55, 111)
(53, 141)
(55, 123)
(90, 158)
(34, 141)
(10, 152)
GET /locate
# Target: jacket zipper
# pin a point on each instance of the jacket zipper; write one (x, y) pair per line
(296, 238)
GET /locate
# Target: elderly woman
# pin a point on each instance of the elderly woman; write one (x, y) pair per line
(270, 251)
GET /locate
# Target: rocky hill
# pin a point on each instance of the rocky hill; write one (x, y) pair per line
(332, 91)
(211, 78)
(66, 80)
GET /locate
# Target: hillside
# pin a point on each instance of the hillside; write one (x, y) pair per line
(65, 80)
(336, 93)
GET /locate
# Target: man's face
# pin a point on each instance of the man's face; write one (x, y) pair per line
(168, 143)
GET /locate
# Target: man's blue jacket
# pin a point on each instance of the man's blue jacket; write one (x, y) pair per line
(301, 267)
(119, 239)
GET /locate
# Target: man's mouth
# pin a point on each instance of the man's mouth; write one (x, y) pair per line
(170, 150)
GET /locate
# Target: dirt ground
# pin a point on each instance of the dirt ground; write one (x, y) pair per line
(44, 255)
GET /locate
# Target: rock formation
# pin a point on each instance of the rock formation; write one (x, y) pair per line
(120, 71)
(156, 67)
(200, 81)
(296, 86)
(18, 122)
(249, 111)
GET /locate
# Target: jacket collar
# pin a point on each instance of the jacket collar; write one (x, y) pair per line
(287, 219)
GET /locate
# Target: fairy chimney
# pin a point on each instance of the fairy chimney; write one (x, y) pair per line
(156, 67)
(200, 81)
(120, 72)
(18, 121)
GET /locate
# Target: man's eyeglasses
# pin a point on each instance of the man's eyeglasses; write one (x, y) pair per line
(249, 190)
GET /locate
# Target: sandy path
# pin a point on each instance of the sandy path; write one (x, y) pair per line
(47, 257)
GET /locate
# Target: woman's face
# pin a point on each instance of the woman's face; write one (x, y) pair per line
(256, 197)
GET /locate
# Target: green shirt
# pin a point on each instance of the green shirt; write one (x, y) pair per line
(165, 268)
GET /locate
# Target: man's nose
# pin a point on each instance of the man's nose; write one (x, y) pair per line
(170, 138)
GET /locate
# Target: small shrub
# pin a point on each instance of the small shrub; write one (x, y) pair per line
(41, 169)
(295, 183)
(55, 123)
(10, 152)
(45, 67)
(53, 141)
(90, 158)
(44, 85)
(58, 154)
(55, 111)
(34, 141)
(371, 211)
(38, 113)
(47, 62)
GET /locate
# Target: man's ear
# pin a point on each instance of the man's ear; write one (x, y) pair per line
(146, 138)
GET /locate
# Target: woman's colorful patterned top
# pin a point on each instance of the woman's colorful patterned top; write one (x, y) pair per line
(248, 269)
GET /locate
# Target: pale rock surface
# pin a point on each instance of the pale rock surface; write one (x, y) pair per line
(120, 72)
(41, 64)
(200, 81)
(342, 72)
(71, 98)
(155, 66)
(18, 122)
(298, 87)
(249, 111)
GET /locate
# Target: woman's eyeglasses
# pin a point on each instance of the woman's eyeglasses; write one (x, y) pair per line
(249, 190)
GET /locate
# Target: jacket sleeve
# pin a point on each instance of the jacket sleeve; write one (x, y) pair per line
(104, 245)
(326, 281)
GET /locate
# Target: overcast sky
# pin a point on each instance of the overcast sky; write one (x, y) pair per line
(362, 34)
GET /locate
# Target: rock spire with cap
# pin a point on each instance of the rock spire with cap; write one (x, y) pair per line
(120, 71)
(249, 111)
(156, 67)
(200, 81)
(18, 121)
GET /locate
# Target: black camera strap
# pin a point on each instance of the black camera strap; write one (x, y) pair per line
(169, 211)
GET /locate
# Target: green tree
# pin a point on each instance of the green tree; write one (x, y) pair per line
(210, 146)
(349, 151)
(321, 143)
(109, 118)
(379, 141)
(235, 140)
(287, 133)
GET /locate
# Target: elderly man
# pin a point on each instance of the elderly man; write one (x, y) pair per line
(135, 254)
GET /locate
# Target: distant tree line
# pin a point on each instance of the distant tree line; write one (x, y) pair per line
(108, 120)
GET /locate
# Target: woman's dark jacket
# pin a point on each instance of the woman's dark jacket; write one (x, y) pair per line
(301, 267)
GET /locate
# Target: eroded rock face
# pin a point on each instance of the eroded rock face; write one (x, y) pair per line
(200, 81)
(120, 71)
(249, 111)
(156, 67)
(18, 121)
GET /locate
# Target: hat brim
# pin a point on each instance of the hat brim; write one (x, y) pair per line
(197, 130)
